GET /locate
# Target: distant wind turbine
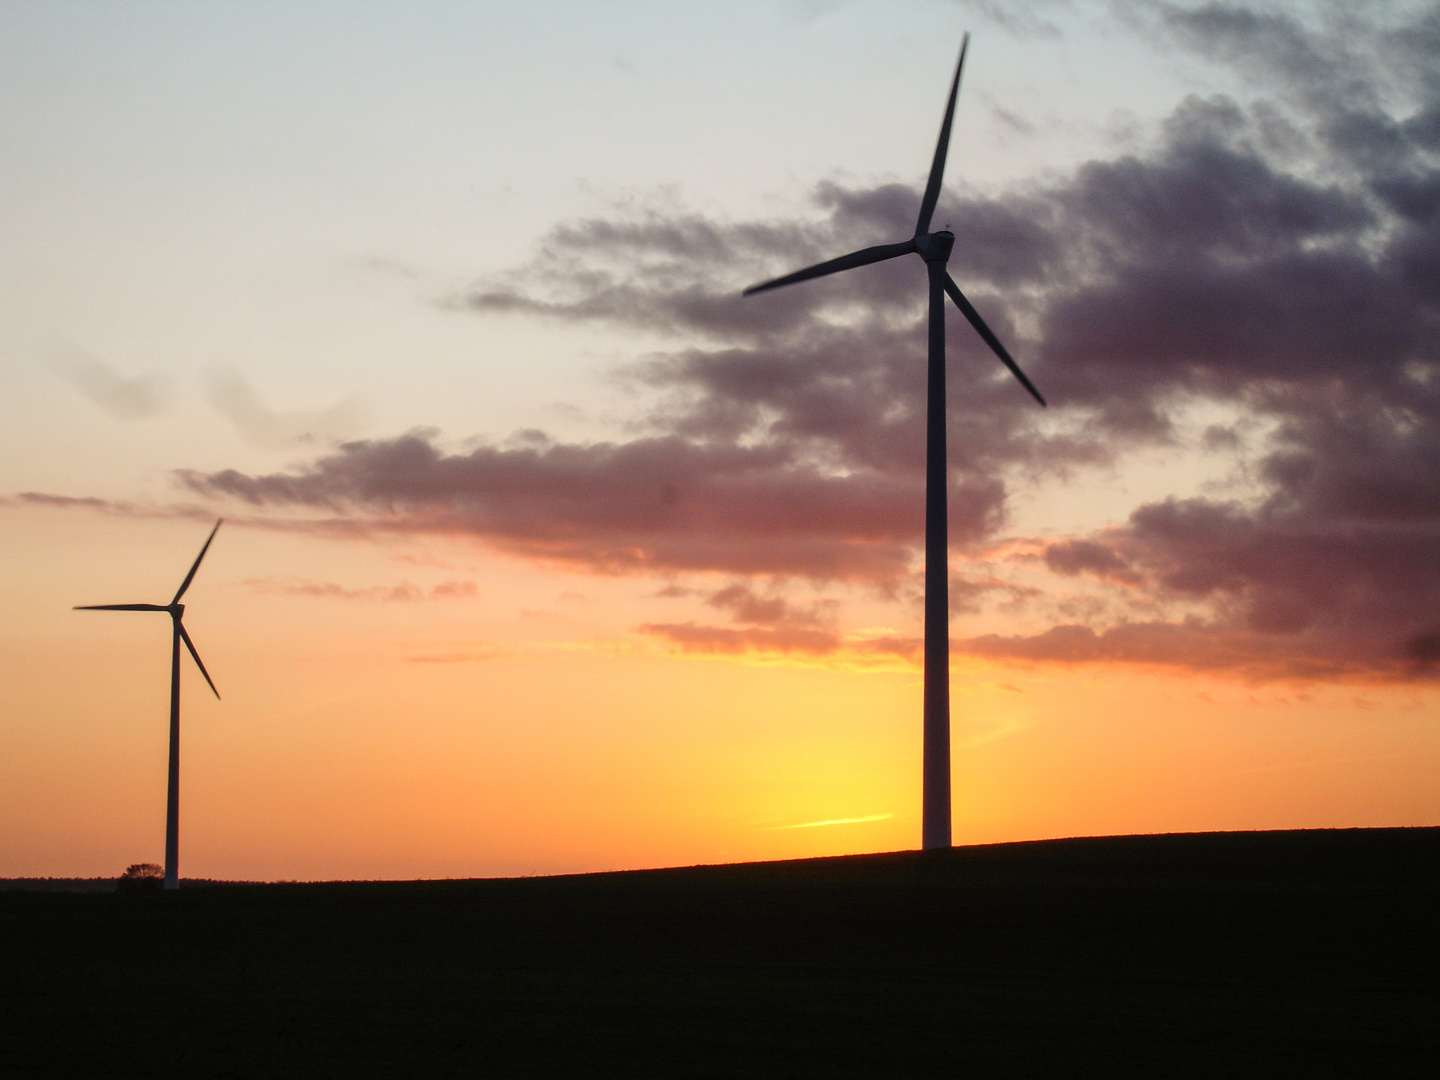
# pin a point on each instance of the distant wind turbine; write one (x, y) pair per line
(934, 248)
(176, 611)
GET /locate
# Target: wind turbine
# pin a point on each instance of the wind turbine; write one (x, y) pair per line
(934, 248)
(176, 611)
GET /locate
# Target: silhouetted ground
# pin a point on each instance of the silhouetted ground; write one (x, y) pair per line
(1225, 955)
(87, 884)
(58, 884)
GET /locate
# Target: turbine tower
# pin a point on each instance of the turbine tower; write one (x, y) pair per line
(934, 248)
(176, 611)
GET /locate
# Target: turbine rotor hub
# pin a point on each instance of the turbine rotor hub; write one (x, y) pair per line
(935, 246)
(176, 610)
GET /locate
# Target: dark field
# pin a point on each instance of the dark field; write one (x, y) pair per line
(1239, 954)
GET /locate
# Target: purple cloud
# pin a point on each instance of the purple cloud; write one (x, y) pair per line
(1278, 259)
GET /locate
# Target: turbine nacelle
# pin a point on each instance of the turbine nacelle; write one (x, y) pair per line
(935, 246)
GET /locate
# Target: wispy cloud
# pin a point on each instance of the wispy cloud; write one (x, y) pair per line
(835, 821)
(403, 592)
(125, 398)
(466, 655)
(271, 429)
(115, 507)
(766, 643)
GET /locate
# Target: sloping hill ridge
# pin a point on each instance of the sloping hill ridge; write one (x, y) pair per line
(1308, 953)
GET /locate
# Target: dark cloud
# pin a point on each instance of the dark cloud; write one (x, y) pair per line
(656, 504)
(1275, 48)
(1424, 650)
(747, 606)
(1294, 588)
(1190, 646)
(1088, 557)
(969, 595)
(1278, 257)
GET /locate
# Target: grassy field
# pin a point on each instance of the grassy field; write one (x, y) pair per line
(1227, 954)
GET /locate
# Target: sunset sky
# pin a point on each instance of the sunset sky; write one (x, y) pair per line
(545, 551)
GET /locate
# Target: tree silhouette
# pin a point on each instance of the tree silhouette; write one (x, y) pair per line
(141, 875)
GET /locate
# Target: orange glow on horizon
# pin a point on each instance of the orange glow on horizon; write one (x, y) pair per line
(557, 740)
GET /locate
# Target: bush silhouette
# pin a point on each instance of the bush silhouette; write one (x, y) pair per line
(141, 875)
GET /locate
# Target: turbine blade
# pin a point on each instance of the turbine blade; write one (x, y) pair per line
(942, 147)
(191, 575)
(990, 339)
(198, 662)
(844, 262)
(120, 607)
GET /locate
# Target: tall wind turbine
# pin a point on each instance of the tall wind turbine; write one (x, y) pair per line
(176, 611)
(934, 248)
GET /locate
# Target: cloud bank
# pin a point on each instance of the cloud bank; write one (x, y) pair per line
(1275, 258)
